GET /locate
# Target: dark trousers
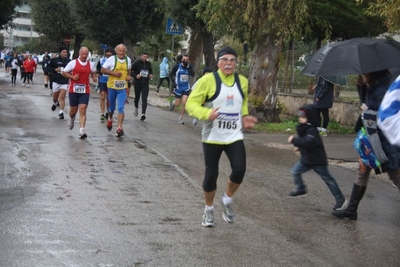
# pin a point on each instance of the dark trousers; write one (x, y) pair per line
(162, 80)
(141, 89)
(13, 75)
(325, 117)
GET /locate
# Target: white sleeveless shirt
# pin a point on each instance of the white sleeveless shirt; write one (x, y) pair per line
(227, 128)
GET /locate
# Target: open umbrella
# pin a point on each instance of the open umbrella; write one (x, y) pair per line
(354, 56)
(339, 80)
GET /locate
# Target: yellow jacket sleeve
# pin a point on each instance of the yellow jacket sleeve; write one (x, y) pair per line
(205, 88)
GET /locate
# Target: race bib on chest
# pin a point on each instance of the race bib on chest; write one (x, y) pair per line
(227, 121)
(79, 88)
(144, 73)
(184, 78)
(119, 84)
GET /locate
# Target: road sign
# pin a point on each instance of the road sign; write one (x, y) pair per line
(173, 27)
(67, 40)
(103, 46)
(8, 43)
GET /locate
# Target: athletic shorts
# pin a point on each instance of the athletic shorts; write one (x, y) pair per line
(57, 87)
(78, 99)
(103, 87)
(179, 94)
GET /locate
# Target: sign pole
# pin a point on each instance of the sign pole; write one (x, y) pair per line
(172, 53)
(172, 28)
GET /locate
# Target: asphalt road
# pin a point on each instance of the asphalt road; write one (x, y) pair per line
(137, 201)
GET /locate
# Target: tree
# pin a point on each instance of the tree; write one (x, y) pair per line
(266, 24)
(342, 20)
(113, 22)
(7, 12)
(158, 44)
(389, 10)
(201, 38)
(58, 19)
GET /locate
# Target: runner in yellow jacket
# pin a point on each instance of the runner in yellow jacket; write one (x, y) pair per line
(225, 112)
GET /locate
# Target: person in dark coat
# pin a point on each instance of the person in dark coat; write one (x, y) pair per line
(323, 100)
(371, 90)
(313, 155)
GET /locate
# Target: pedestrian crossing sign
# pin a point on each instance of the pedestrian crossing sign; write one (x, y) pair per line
(173, 27)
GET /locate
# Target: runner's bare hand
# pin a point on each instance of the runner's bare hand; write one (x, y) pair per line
(213, 115)
(249, 122)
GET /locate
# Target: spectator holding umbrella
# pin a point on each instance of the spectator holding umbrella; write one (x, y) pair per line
(323, 101)
(372, 88)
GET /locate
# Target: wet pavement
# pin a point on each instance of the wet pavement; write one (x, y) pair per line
(137, 201)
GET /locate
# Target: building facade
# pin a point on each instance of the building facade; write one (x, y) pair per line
(22, 30)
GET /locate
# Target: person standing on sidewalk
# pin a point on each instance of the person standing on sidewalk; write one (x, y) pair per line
(180, 78)
(118, 69)
(60, 83)
(371, 90)
(323, 100)
(225, 113)
(164, 71)
(313, 155)
(103, 79)
(142, 72)
(78, 71)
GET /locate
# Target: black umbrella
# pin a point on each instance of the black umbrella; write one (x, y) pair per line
(354, 56)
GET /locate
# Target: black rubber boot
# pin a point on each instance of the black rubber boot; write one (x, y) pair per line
(355, 198)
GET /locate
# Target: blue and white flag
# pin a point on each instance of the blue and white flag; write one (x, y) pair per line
(389, 113)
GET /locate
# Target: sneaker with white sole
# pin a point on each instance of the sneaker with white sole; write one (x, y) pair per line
(341, 204)
(195, 121)
(171, 105)
(228, 214)
(71, 123)
(119, 132)
(208, 218)
(82, 135)
(180, 121)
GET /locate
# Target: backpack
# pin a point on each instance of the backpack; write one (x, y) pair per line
(365, 152)
(368, 144)
(218, 83)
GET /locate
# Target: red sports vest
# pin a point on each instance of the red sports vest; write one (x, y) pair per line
(82, 85)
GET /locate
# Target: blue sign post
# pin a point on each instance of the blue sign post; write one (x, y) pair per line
(173, 28)
(103, 46)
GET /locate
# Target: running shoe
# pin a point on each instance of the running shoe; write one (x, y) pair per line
(228, 214)
(53, 107)
(195, 121)
(102, 117)
(157, 90)
(120, 132)
(136, 112)
(341, 204)
(82, 135)
(71, 123)
(106, 116)
(208, 218)
(180, 121)
(171, 105)
(143, 117)
(109, 124)
(61, 116)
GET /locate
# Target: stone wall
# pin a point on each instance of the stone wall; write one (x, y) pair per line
(345, 113)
